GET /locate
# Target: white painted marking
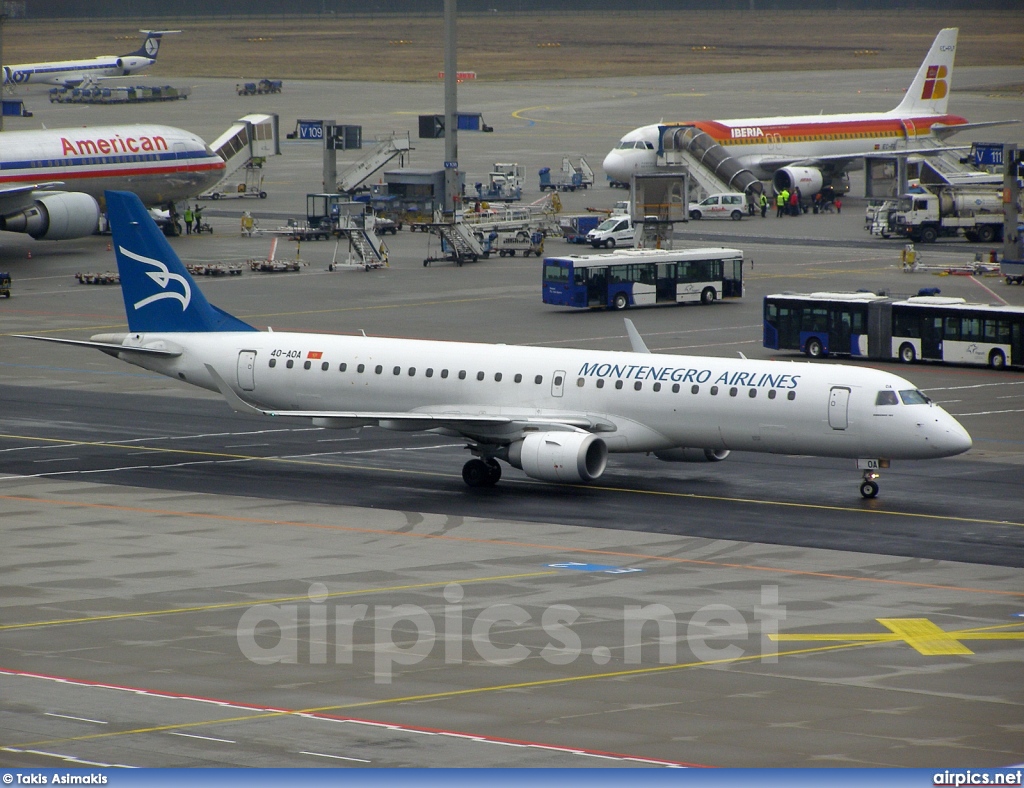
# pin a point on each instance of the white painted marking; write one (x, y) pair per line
(69, 717)
(244, 445)
(71, 758)
(59, 459)
(978, 386)
(206, 738)
(987, 413)
(337, 757)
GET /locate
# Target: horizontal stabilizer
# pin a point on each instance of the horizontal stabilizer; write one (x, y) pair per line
(107, 347)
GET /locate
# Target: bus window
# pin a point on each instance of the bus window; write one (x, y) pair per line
(970, 329)
(952, 328)
(618, 274)
(644, 274)
(556, 273)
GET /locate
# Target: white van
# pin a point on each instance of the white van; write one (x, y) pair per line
(613, 231)
(729, 205)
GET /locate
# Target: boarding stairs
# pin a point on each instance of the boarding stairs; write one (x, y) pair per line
(251, 138)
(582, 169)
(944, 167)
(459, 240)
(537, 216)
(365, 247)
(710, 165)
(388, 148)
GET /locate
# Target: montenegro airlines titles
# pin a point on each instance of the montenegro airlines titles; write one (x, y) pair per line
(73, 72)
(555, 413)
(51, 181)
(813, 151)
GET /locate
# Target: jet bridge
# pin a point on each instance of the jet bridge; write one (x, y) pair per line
(253, 137)
(710, 165)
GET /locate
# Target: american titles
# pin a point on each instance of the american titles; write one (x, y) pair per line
(116, 144)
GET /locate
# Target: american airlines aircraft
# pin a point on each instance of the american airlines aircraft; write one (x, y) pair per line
(71, 73)
(812, 151)
(555, 413)
(52, 180)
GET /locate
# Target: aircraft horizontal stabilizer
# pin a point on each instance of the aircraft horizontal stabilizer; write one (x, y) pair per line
(109, 348)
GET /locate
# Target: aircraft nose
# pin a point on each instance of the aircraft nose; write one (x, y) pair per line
(614, 166)
(951, 438)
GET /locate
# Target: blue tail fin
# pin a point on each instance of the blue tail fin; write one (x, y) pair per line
(159, 294)
(151, 46)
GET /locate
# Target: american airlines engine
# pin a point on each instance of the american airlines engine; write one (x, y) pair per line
(52, 181)
(805, 151)
(555, 413)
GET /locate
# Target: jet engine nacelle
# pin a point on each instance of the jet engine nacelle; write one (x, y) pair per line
(692, 455)
(560, 456)
(56, 217)
(809, 179)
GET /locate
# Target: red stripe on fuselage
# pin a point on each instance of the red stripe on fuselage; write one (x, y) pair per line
(763, 133)
(46, 173)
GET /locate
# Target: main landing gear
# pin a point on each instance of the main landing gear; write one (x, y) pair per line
(481, 472)
(869, 487)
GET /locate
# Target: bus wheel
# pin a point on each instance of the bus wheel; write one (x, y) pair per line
(907, 353)
(620, 302)
(815, 349)
(996, 359)
(708, 296)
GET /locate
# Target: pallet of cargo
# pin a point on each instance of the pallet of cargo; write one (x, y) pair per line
(106, 278)
(275, 266)
(122, 95)
(214, 269)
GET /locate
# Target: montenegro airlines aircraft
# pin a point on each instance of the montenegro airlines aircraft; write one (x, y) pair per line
(812, 151)
(161, 164)
(73, 72)
(555, 413)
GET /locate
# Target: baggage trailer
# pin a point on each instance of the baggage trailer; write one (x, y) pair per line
(575, 228)
(559, 181)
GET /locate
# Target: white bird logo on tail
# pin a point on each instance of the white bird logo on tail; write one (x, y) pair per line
(163, 277)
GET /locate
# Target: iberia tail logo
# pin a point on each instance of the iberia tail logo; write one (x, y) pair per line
(935, 85)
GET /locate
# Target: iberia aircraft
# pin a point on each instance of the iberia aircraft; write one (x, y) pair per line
(812, 151)
(71, 73)
(555, 413)
(53, 180)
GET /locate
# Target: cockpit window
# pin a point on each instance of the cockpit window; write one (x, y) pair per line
(649, 145)
(886, 398)
(913, 397)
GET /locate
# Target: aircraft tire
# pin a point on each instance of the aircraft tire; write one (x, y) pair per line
(869, 489)
(475, 473)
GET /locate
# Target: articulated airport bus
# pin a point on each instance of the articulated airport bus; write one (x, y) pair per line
(641, 277)
(931, 328)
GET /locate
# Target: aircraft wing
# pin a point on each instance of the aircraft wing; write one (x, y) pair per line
(474, 425)
(18, 198)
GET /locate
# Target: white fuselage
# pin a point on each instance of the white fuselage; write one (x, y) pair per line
(653, 401)
(69, 72)
(161, 164)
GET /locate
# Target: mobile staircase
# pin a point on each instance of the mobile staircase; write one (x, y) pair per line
(710, 165)
(388, 148)
(245, 146)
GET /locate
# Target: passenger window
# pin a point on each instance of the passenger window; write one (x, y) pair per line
(618, 384)
(771, 394)
(325, 366)
(397, 370)
(272, 363)
(412, 371)
(539, 379)
(462, 374)
(444, 373)
(290, 363)
(430, 372)
(360, 368)
(657, 387)
(791, 395)
(695, 389)
(307, 364)
(479, 375)
(342, 366)
(887, 398)
(753, 393)
(580, 382)
(518, 378)
(497, 377)
(378, 369)
(600, 383)
(732, 391)
(714, 391)
(558, 380)
(637, 386)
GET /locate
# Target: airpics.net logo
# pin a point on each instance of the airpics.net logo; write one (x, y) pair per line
(502, 634)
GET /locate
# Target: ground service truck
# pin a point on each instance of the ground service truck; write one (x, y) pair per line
(947, 212)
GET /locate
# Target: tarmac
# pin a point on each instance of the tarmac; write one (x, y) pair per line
(184, 587)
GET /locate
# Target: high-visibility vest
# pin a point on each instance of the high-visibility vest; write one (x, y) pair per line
(780, 199)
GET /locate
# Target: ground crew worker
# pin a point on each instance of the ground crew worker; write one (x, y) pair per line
(781, 200)
(188, 220)
(764, 204)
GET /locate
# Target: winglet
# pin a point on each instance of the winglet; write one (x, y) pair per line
(237, 404)
(635, 340)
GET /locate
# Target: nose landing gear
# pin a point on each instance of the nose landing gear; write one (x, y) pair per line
(869, 487)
